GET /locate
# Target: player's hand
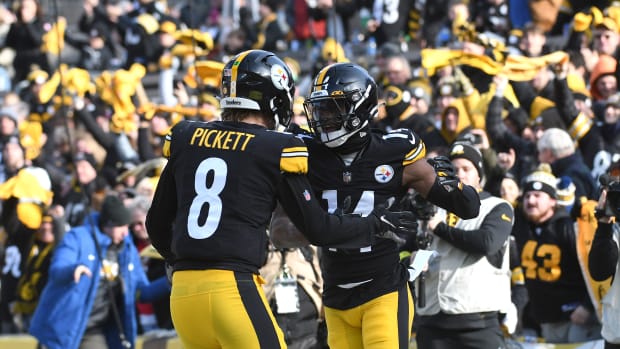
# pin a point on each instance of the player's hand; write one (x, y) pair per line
(446, 174)
(397, 226)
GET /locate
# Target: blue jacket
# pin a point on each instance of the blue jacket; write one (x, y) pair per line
(61, 316)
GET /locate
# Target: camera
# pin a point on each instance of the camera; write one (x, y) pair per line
(612, 204)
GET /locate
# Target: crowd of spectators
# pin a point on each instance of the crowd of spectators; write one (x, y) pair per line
(526, 82)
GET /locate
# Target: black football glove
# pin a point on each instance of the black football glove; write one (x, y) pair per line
(446, 174)
(397, 226)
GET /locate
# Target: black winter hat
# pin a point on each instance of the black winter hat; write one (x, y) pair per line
(467, 151)
(113, 212)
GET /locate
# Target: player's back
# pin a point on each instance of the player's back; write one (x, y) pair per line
(226, 176)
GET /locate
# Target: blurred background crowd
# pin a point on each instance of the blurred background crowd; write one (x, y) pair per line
(89, 89)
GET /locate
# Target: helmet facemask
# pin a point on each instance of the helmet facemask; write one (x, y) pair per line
(334, 119)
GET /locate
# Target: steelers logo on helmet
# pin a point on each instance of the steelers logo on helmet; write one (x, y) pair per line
(384, 173)
(258, 80)
(279, 77)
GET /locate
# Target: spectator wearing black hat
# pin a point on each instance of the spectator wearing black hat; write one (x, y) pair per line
(95, 280)
(467, 284)
(559, 307)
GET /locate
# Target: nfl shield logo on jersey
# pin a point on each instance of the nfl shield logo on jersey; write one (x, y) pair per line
(346, 177)
(384, 173)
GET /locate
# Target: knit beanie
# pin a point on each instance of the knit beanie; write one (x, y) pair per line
(542, 179)
(462, 150)
(113, 212)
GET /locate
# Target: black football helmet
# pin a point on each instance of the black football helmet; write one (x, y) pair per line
(342, 101)
(258, 80)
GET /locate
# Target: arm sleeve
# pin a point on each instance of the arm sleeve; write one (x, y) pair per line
(464, 203)
(486, 240)
(603, 257)
(321, 228)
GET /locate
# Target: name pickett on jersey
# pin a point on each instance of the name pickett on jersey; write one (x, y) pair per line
(384, 173)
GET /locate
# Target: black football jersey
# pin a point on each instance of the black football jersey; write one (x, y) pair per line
(221, 220)
(550, 265)
(370, 180)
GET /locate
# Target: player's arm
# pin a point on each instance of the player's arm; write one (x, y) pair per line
(319, 227)
(161, 214)
(339, 230)
(283, 233)
(442, 187)
(160, 217)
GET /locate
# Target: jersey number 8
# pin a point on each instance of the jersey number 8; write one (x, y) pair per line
(207, 195)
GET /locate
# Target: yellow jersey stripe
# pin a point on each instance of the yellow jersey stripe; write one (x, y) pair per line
(233, 76)
(415, 154)
(293, 152)
(294, 164)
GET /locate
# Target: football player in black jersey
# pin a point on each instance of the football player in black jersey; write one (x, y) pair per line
(368, 303)
(215, 198)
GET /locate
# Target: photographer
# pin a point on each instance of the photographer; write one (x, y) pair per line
(467, 285)
(603, 257)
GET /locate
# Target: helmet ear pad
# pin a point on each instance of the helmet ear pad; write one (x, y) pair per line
(352, 123)
(282, 111)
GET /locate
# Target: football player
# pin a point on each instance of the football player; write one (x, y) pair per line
(367, 301)
(215, 198)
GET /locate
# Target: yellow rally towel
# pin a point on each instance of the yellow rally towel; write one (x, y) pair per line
(586, 228)
(54, 39)
(204, 73)
(33, 195)
(117, 89)
(516, 68)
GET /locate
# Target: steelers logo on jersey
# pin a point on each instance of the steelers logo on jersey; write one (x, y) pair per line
(384, 173)
(279, 77)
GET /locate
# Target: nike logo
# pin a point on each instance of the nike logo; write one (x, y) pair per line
(506, 218)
